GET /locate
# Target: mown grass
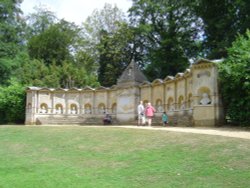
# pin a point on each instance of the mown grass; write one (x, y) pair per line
(73, 156)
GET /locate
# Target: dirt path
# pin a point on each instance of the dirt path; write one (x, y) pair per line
(209, 131)
(228, 132)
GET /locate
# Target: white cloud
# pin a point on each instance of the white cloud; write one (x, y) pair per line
(73, 10)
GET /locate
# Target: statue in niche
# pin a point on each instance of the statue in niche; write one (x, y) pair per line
(43, 110)
(101, 110)
(73, 110)
(59, 110)
(88, 110)
(160, 108)
(205, 99)
(171, 108)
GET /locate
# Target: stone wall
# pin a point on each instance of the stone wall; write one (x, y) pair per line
(190, 99)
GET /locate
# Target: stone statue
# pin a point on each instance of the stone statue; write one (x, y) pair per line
(73, 110)
(59, 110)
(205, 99)
(43, 110)
(160, 108)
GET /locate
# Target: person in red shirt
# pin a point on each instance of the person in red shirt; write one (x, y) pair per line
(149, 112)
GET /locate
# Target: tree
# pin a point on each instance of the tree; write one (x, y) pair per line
(168, 32)
(106, 20)
(40, 21)
(235, 81)
(116, 52)
(11, 32)
(222, 20)
(55, 43)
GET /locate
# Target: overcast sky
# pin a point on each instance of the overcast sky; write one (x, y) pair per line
(73, 10)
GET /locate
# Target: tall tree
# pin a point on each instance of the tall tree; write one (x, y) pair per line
(54, 44)
(223, 20)
(168, 31)
(11, 31)
(39, 21)
(116, 52)
(105, 20)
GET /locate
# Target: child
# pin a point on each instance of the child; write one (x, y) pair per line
(164, 119)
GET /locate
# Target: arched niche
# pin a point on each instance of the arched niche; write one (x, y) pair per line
(29, 106)
(204, 96)
(43, 108)
(170, 104)
(181, 104)
(87, 108)
(113, 108)
(101, 108)
(59, 108)
(159, 106)
(73, 108)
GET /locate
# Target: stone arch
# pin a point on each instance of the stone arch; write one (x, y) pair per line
(159, 106)
(43, 108)
(113, 108)
(204, 96)
(145, 102)
(170, 104)
(101, 108)
(59, 108)
(73, 108)
(190, 101)
(181, 104)
(87, 108)
(29, 106)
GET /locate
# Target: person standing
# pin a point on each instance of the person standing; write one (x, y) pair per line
(141, 115)
(149, 112)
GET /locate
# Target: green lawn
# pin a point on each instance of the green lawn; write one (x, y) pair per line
(74, 156)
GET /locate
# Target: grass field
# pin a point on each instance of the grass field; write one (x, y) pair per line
(100, 157)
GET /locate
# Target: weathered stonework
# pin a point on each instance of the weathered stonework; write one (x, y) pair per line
(190, 99)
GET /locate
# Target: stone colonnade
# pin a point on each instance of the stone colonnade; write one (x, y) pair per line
(190, 99)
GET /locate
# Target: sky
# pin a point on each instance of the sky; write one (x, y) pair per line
(73, 10)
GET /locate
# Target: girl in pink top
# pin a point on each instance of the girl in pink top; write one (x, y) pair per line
(149, 112)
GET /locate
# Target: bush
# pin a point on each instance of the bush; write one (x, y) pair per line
(235, 81)
(12, 104)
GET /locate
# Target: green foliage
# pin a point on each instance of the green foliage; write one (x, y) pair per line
(222, 21)
(11, 32)
(54, 44)
(39, 21)
(167, 31)
(106, 39)
(12, 103)
(115, 54)
(68, 75)
(11, 26)
(235, 81)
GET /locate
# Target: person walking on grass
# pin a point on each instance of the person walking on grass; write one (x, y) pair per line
(149, 112)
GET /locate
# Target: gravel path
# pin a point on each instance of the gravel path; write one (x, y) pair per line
(229, 132)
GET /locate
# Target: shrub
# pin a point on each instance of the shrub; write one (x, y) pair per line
(235, 81)
(12, 104)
